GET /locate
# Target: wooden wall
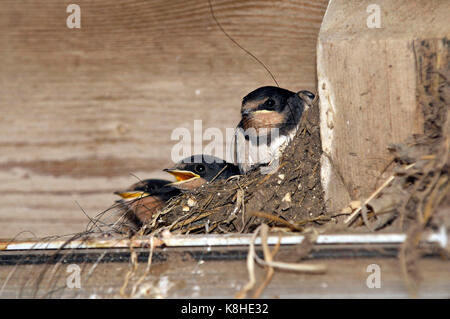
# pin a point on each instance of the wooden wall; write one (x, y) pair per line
(81, 109)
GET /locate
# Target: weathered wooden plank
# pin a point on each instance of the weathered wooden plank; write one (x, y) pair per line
(82, 108)
(175, 276)
(368, 88)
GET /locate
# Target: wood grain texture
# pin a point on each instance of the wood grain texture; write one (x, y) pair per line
(186, 278)
(367, 81)
(83, 108)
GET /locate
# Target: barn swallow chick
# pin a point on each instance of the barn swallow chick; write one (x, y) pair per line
(269, 120)
(196, 170)
(143, 188)
(143, 199)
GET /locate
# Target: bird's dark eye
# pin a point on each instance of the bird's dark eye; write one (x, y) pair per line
(270, 102)
(200, 168)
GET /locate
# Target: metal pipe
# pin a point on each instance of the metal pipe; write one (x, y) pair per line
(222, 240)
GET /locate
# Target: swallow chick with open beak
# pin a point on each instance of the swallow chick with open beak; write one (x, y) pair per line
(143, 199)
(269, 120)
(196, 170)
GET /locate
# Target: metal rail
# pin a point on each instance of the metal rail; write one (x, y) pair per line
(440, 238)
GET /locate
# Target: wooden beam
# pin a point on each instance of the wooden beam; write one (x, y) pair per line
(175, 274)
(370, 92)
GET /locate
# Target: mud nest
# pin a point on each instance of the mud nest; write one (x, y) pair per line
(292, 199)
(289, 198)
(415, 196)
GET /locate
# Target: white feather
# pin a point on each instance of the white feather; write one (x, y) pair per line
(248, 153)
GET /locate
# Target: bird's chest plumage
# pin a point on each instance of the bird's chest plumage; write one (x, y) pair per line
(252, 151)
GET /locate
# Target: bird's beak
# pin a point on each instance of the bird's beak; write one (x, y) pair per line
(131, 194)
(263, 112)
(181, 176)
(248, 112)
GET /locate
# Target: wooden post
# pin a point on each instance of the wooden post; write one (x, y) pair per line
(370, 90)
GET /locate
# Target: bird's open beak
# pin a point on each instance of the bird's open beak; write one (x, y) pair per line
(181, 176)
(131, 194)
